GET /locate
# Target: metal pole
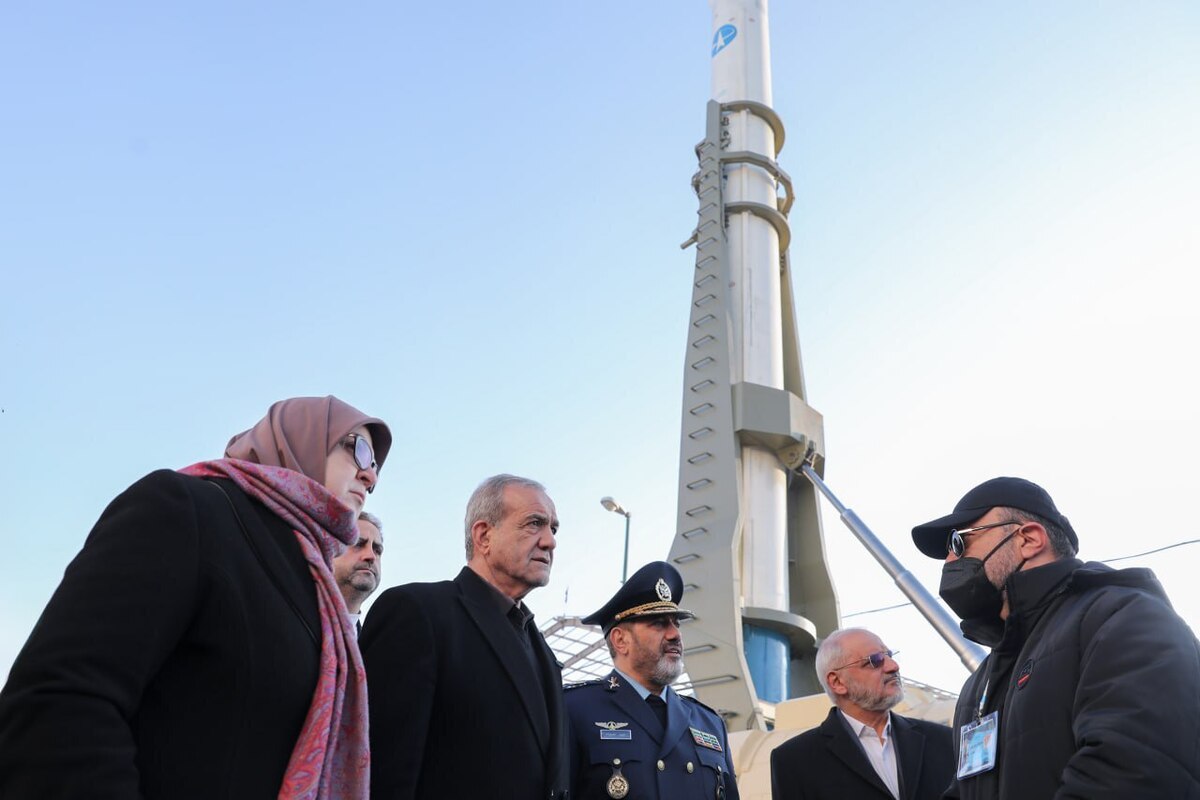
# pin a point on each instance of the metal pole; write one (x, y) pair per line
(625, 566)
(937, 616)
(615, 507)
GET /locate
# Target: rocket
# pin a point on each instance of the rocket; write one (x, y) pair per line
(749, 541)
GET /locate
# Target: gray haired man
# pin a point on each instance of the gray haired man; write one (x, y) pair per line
(466, 696)
(863, 749)
(357, 569)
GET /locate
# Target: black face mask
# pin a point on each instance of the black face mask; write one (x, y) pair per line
(966, 589)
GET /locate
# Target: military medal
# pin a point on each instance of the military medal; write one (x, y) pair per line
(617, 786)
(706, 739)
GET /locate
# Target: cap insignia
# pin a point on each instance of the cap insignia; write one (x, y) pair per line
(663, 591)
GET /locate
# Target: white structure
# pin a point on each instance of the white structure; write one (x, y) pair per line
(749, 541)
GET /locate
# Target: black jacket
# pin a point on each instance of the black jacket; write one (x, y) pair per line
(174, 660)
(826, 763)
(1098, 685)
(457, 710)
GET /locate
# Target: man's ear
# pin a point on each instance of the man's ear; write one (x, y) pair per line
(481, 536)
(1034, 541)
(620, 639)
(836, 684)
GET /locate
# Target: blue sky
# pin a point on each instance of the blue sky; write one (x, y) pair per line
(465, 218)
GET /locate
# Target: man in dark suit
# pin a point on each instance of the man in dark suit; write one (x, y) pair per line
(632, 736)
(357, 569)
(862, 749)
(465, 694)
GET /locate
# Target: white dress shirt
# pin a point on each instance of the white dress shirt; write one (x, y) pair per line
(881, 752)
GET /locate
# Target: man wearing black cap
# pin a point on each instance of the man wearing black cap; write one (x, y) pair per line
(631, 735)
(1092, 688)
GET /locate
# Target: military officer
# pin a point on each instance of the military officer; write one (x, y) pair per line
(631, 735)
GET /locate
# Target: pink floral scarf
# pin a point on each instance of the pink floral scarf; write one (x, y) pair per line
(332, 757)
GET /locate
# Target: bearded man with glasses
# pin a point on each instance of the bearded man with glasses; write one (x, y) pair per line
(863, 749)
(1092, 688)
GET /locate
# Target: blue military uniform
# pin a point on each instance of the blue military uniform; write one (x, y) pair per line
(619, 747)
(615, 736)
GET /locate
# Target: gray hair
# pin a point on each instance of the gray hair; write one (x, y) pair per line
(1059, 542)
(831, 652)
(487, 503)
(374, 520)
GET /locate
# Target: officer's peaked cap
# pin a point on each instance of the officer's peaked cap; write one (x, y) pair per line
(652, 591)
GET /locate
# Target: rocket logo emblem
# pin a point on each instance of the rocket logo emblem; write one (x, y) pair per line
(721, 39)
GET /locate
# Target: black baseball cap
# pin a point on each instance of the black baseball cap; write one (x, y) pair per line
(930, 538)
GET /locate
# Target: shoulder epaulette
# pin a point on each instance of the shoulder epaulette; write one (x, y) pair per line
(578, 684)
(697, 702)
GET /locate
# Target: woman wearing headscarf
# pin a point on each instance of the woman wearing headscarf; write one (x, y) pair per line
(198, 646)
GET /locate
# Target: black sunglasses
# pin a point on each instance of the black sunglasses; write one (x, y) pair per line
(874, 661)
(955, 544)
(364, 455)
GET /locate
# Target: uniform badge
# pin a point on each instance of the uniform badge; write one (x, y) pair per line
(617, 786)
(614, 730)
(705, 739)
(612, 683)
(663, 591)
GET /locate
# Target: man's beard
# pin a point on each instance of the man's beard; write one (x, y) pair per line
(664, 671)
(870, 700)
(667, 672)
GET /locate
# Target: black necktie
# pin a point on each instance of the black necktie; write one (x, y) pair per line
(517, 620)
(520, 623)
(659, 708)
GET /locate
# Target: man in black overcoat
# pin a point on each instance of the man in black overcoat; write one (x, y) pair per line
(863, 750)
(465, 694)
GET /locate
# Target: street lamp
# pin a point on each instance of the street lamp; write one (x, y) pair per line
(615, 507)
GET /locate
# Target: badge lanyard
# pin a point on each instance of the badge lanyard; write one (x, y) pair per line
(977, 740)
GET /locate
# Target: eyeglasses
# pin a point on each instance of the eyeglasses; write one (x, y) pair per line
(364, 456)
(873, 661)
(954, 542)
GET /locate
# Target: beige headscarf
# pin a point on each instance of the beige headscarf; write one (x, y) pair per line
(300, 433)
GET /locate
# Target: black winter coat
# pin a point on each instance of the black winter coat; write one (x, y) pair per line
(457, 710)
(1099, 690)
(176, 660)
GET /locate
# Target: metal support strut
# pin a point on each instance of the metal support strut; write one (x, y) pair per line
(946, 626)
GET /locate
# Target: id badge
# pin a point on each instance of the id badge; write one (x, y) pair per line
(977, 745)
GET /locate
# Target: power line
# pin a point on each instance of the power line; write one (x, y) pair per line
(1102, 561)
(873, 610)
(1148, 552)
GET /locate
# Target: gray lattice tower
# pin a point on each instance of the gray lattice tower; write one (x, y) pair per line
(719, 418)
